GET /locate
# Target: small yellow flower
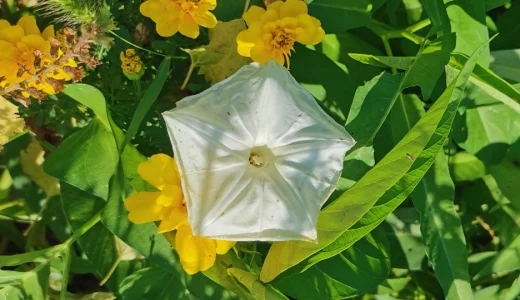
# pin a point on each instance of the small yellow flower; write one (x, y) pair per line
(25, 51)
(184, 16)
(271, 33)
(168, 206)
(131, 64)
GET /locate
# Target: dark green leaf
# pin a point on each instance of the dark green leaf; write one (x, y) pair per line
(339, 15)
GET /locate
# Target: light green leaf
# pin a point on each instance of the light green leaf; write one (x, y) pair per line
(442, 231)
(466, 167)
(506, 64)
(257, 289)
(149, 98)
(89, 96)
(386, 182)
(339, 15)
(203, 57)
(402, 62)
(507, 260)
(506, 175)
(86, 159)
(25, 285)
(354, 272)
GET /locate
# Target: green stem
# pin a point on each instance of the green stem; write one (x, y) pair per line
(66, 273)
(18, 202)
(387, 32)
(247, 5)
(144, 49)
(190, 71)
(84, 228)
(419, 25)
(137, 86)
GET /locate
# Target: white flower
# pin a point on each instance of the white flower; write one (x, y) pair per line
(258, 157)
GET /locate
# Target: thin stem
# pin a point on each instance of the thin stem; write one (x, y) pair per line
(111, 271)
(84, 228)
(388, 32)
(389, 52)
(246, 7)
(6, 205)
(419, 25)
(66, 271)
(144, 49)
(190, 71)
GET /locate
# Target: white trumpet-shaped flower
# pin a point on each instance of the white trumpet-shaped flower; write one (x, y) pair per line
(258, 157)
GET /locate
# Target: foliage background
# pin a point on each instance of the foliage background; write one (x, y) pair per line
(419, 232)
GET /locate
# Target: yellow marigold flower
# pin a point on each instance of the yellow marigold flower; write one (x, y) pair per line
(168, 206)
(131, 64)
(184, 16)
(24, 52)
(10, 122)
(271, 33)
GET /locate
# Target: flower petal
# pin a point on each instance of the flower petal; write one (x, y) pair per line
(206, 19)
(168, 28)
(159, 170)
(12, 34)
(244, 46)
(4, 24)
(269, 16)
(28, 23)
(261, 55)
(224, 246)
(171, 195)
(275, 6)
(188, 27)
(48, 32)
(142, 207)
(176, 218)
(196, 253)
(152, 8)
(253, 14)
(293, 8)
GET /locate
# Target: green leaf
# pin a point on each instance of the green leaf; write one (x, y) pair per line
(257, 289)
(508, 27)
(89, 96)
(386, 182)
(442, 231)
(436, 11)
(402, 62)
(228, 10)
(505, 262)
(466, 167)
(150, 96)
(506, 175)
(339, 15)
(328, 83)
(491, 4)
(203, 57)
(490, 83)
(25, 285)
(98, 243)
(468, 20)
(86, 159)
(428, 67)
(354, 272)
(506, 64)
(152, 283)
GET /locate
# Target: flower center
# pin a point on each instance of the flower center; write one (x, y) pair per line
(189, 5)
(260, 156)
(283, 39)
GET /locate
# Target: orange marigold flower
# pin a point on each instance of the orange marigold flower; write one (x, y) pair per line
(271, 33)
(184, 16)
(168, 206)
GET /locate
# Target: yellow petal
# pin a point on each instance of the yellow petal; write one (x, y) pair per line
(269, 16)
(293, 8)
(196, 253)
(159, 170)
(167, 29)
(142, 207)
(275, 6)
(243, 45)
(36, 42)
(176, 218)
(212, 4)
(12, 34)
(206, 19)
(312, 33)
(261, 55)
(4, 24)
(170, 195)
(152, 8)
(188, 27)
(48, 32)
(224, 246)
(253, 14)
(28, 23)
